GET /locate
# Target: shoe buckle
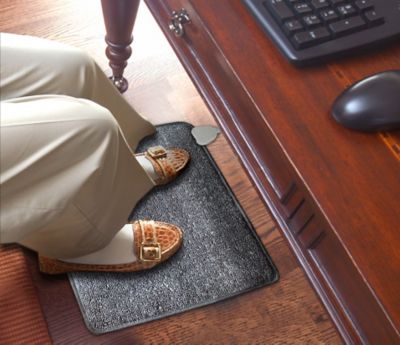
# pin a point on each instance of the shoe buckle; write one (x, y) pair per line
(157, 152)
(150, 252)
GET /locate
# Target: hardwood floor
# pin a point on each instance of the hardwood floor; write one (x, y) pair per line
(287, 312)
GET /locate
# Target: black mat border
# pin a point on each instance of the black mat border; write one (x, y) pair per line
(253, 232)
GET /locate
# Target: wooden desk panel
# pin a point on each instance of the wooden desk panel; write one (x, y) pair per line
(334, 192)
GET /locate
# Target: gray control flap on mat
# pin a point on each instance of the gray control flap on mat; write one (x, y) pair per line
(221, 255)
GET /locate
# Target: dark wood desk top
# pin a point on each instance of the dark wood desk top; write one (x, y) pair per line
(352, 180)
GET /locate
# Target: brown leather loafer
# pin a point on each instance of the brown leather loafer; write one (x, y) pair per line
(154, 242)
(167, 163)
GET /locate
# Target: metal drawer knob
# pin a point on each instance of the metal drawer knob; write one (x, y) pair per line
(177, 21)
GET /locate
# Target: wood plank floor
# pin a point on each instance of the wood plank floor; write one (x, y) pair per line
(287, 312)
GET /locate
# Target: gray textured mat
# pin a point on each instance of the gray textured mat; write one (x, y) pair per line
(221, 255)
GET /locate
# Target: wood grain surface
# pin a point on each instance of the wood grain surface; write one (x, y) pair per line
(287, 312)
(22, 320)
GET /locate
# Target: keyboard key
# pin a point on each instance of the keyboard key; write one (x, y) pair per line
(279, 9)
(364, 4)
(302, 8)
(311, 20)
(309, 38)
(374, 18)
(292, 26)
(319, 3)
(328, 15)
(335, 2)
(346, 10)
(346, 26)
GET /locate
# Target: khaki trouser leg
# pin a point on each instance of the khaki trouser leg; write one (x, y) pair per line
(68, 179)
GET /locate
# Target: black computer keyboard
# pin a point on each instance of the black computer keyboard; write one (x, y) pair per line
(310, 31)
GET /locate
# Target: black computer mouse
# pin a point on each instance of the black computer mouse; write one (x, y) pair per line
(372, 104)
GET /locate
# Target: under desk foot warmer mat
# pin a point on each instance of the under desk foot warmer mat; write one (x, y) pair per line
(221, 255)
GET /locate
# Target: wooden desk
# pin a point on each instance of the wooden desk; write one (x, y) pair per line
(335, 193)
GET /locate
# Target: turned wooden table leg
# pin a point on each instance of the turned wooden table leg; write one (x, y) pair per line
(119, 18)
